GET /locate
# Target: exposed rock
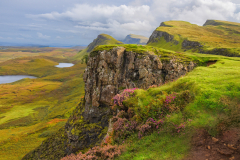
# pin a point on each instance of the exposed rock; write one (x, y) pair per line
(215, 140)
(111, 70)
(106, 74)
(156, 35)
(186, 44)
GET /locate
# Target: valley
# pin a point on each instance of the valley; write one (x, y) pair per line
(165, 100)
(33, 109)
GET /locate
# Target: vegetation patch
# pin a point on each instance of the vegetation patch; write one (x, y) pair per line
(32, 110)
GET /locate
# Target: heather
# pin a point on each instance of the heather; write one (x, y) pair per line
(170, 114)
(162, 119)
(97, 153)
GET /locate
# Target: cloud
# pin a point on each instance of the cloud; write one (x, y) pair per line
(115, 19)
(58, 37)
(195, 11)
(141, 16)
(40, 35)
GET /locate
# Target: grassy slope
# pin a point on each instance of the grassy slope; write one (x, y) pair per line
(13, 53)
(33, 109)
(221, 34)
(106, 40)
(216, 94)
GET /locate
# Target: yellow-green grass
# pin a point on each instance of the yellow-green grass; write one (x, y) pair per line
(16, 142)
(13, 53)
(224, 35)
(78, 57)
(33, 109)
(216, 95)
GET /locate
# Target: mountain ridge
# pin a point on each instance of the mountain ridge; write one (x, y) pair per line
(215, 37)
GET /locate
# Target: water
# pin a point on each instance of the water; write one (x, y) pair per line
(13, 78)
(63, 65)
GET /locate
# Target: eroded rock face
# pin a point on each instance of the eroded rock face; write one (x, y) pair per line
(110, 71)
(156, 35)
(106, 74)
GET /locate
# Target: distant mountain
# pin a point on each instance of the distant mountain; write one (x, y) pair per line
(214, 37)
(135, 39)
(102, 39)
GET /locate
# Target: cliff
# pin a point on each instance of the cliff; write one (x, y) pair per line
(110, 69)
(135, 39)
(214, 37)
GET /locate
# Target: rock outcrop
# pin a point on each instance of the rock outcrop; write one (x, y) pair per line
(110, 71)
(107, 73)
(156, 35)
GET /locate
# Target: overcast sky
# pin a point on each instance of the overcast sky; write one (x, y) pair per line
(78, 22)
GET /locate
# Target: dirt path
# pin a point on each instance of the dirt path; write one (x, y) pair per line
(224, 147)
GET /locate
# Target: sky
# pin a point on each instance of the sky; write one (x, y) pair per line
(79, 22)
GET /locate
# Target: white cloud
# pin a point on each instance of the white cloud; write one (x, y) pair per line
(141, 16)
(119, 20)
(40, 35)
(195, 11)
(58, 37)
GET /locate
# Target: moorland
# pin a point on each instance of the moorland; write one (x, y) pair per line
(33, 109)
(190, 112)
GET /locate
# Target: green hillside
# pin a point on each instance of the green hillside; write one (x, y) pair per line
(215, 37)
(31, 110)
(102, 39)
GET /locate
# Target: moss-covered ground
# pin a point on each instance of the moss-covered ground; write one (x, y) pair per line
(215, 107)
(33, 109)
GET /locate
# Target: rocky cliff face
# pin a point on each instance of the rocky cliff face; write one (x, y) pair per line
(107, 73)
(186, 44)
(156, 35)
(111, 71)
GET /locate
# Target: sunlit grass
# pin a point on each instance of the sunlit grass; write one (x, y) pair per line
(221, 34)
(33, 109)
(210, 86)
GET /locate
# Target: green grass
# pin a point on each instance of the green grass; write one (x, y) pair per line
(33, 109)
(216, 93)
(220, 34)
(157, 146)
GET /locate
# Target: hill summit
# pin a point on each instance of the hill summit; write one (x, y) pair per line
(102, 39)
(214, 37)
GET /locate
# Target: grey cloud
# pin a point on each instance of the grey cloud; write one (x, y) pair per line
(40, 35)
(83, 20)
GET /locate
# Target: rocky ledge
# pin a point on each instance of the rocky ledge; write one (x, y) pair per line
(107, 73)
